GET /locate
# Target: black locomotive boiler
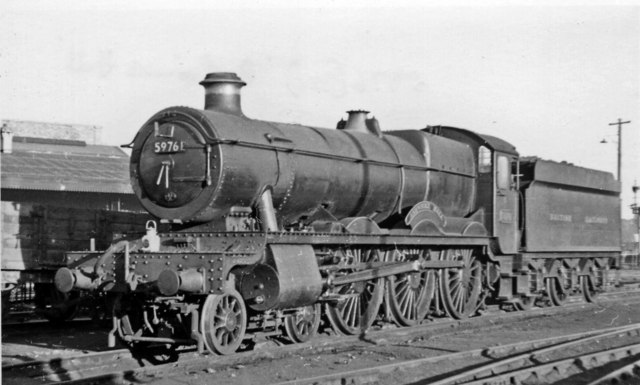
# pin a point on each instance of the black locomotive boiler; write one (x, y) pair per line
(273, 226)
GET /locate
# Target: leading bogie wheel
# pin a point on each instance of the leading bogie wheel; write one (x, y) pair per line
(129, 314)
(358, 308)
(460, 287)
(223, 322)
(409, 295)
(302, 325)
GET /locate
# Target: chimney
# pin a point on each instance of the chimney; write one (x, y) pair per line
(222, 92)
(7, 139)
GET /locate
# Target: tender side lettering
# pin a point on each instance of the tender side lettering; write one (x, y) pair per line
(599, 220)
(560, 217)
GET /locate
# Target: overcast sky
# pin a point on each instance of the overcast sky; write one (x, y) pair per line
(548, 79)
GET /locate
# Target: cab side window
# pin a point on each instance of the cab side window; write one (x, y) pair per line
(484, 160)
(503, 173)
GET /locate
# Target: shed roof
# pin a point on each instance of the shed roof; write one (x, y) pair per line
(63, 165)
(88, 133)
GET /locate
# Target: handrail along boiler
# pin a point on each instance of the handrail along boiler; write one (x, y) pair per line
(272, 226)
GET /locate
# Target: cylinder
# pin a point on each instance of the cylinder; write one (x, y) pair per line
(170, 282)
(66, 280)
(291, 279)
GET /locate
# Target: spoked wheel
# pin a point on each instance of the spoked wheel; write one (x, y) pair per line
(223, 322)
(524, 303)
(460, 288)
(357, 310)
(592, 284)
(556, 291)
(129, 314)
(302, 325)
(589, 290)
(129, 317)
(409, 295)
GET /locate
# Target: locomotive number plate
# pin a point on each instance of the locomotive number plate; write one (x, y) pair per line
(168, 146)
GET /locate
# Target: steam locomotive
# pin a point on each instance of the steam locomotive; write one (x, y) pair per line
(272, 226)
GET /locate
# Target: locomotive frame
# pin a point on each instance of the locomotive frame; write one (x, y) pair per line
(275, 225)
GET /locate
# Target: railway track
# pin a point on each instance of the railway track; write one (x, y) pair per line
(508, 356)
(120, 366)
(533, 366)
(65, 369)
(622, 375)
(562, 370)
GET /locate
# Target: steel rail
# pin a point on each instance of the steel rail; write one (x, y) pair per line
(99, 368)
(65, 368)
(370, 374)
(493, 368)
(362, 374)
(559, 370)
(621, 375)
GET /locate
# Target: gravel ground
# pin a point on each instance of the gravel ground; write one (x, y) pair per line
(31, 343)
(38, 341)
(376, 352)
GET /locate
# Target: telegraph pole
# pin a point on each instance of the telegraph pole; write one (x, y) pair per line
(619, 123)
(636, 213)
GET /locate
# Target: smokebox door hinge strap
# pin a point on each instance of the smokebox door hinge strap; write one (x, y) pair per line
(157, 133)
(208, 176)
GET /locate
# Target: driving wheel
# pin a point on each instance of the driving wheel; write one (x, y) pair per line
(409, 295)
(358, 306)
(460, 287)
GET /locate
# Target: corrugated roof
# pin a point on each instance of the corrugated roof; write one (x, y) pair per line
(56, 167)
(85, 132)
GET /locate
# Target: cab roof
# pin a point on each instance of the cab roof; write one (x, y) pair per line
(491, 142)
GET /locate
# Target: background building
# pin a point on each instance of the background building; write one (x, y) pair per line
(60, 190)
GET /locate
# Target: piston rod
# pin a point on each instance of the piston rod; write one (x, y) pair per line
(398, 268)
